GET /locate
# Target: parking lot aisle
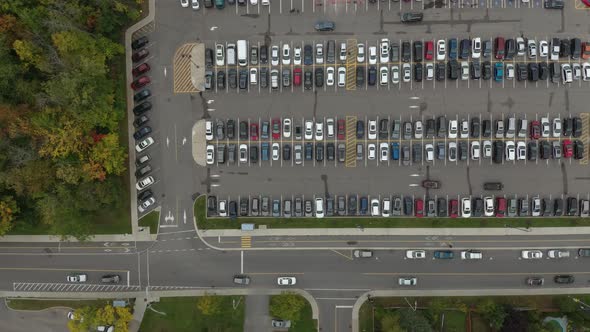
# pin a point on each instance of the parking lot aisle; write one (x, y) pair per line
(366, 147)
(324, 139)
(585, 137)
(302, 141)
(469, 155)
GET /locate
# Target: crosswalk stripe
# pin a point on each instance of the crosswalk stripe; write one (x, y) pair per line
(246, 242)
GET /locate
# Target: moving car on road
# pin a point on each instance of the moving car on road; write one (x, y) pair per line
(286, 281)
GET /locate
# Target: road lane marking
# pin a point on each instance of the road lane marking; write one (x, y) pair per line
(343, 255)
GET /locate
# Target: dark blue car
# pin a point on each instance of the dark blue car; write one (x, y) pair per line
(443, 254)
(453, 48)
(395, 151)
(498, 71)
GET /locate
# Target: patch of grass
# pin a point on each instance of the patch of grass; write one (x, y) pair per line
(366, 318)
(40, 304)
(151, 219)
(305, 323)
(478, 324)
(351, 222)
(454, 321)
(181, 314)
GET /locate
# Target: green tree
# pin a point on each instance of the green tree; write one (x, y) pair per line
(390, 323)
(287, 306)
(209, 305)
(492, 312)
(414, 321)
(565, 304)
(8, 211)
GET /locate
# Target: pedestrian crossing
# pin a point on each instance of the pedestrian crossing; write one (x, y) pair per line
(64, 287)
(246, 242)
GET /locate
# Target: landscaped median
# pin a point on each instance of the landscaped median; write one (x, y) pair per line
(295, 308)
(204, 223)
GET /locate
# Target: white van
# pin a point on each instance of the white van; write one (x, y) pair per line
(386, 207)
(319, 207)
(242, 53)
(511, 130)
(231, 54)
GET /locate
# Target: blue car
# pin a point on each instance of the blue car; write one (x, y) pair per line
(498, 71)
(443, 254)
(265, 151)
(453, 48)
(395, 151)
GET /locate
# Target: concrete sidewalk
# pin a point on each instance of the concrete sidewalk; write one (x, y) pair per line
(397, 231)
(141, 236)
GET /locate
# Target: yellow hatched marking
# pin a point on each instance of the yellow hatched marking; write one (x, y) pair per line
(246, 242)
(351, 64)
(182, 70)
(350, 141)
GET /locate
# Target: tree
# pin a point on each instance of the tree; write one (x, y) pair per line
(124, 316)
(209, 305)
(390, 323)
(565, 304)
(89, 317)
(516, 321)
(414, 321)
(492, 312)
(8, 211)
(287, 306)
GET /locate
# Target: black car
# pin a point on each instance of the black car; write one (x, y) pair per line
(572, 206)
(319, 77)
(439, 69)
(475, 70)
(143, 171)
(233, 209)
(383, 128)
(208, 58)
(453, 69)
(142, 108)
(543, 71)
(564, 279)
(286, 152)
(553, 4)
(510, 50)
(307, 79)
(263, 54)
(372, 75)
(577, 131)
(545, 148)
(418, 51)
(244, 206)
(263, 77)
(532, 150)
(463, 150)
(498, 151)
(243, 79)
(464, 49)
(330, 151)
(554, 72)
(142, 196)
(319, 152)
(417, 152)
(142, 132)
(243, 130)
(406, 52)
(325, 26)
(307, 55)
(394, 52)
(360, 76)
(231, 129)
(412, 17)
(254, 154)
(578, 149)
(568, 126)
(521, 72)
(418, 72)
(478, 207)
(232, 78)
(140, 121)
(475, 127)
(486, 50)
(308, 151)
(408, 206)
(564, 48)
(442, 207)
(221, 79)
(352, 204)
(486, 70)
(430, 128)
(142, 95)
(139, 43)
(533, 72)
(486, 128)
(558, 207)
(360, 129)
(576, 48)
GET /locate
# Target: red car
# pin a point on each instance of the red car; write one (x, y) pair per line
(254, 131)
(585, 50)
(419, 208)
(535, 129)
(141, 69)
(297, 77)
(453, 208)
(568, 149)
(140, 82)
(500, 207)
(276, 128)
(586, 2)
(341, 129)
(429, 50)
(141, 54)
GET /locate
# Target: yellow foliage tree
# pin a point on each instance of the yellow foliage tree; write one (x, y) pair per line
(124, 316)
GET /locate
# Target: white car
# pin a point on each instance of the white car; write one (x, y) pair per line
(208, 130)
(77, 277)
(452, 151)
(275, 151)
(253, 76)
(567, 75)
(297, 55)
(146, 204)
(464, 132)
(487, 149)
(330, 127)
(243, 153)
(222, 208)
(408, 281)
(308, 130)
(319, 130)
(141, 146)
(371, 151)
(453, 128)
(429, 150)
(418, 130)
(319, 207)
(330, 76)
(531, 254)
(475, 150)
(341, 77)
(520, 46)
(383, 75)
(384, 151)
(471, 254)
(286, 281)
(586, 71)
(509, 71)
(465, 207)
(532, 46)
(286, 128)
(558, 253)
(545, 127)
(543, 48)
(464, 70)
(441, 50)
(274, 55)
(265, 2)
(372, 129)
(375, 207)
(360, 53)
(510, 151)
(286, 54)
(577, 70)
(184, 3)
(384, 51)
(219, 55)
(253, 2)
(476, 48)
(520, 150)
(210, 153)
(395, 74)
(429, 69)
(372, 55)
(319, 53)
(488, 206)
(554, 52)
(556, 127)
(195, 4)
(144, 183)
(415, 254)
(407, 71)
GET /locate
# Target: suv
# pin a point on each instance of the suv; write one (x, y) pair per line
(241, 279)
(110, 279)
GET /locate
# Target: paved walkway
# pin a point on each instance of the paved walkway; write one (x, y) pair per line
(257, 318)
